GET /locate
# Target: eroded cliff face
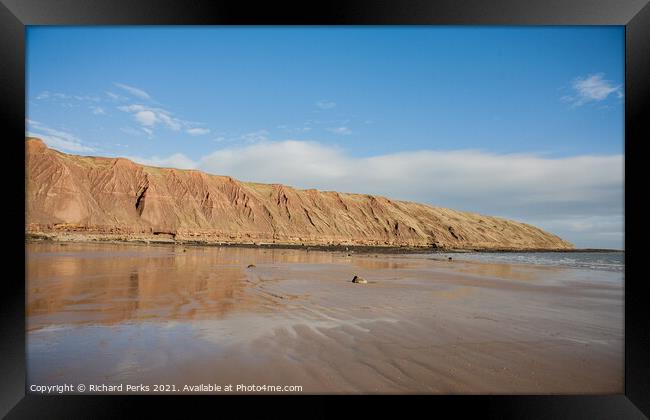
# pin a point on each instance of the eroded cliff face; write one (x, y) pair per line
(115, 198)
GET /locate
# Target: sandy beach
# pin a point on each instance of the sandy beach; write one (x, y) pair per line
(137, 314)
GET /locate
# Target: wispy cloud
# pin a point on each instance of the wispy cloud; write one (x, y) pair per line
(326, 104)
(592, 88)
(88, 98)
(137, 131)
(61, 97)
(340, 130)
(57, 139)
(134, 91)
(150, 117)
(255, 136)
(116, 97)
(196, 131)
(295, 129)
(46, 94)
(252, 137)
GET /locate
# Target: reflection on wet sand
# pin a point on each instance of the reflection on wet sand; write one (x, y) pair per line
(82, 284)
(111, 313)
(79, 290)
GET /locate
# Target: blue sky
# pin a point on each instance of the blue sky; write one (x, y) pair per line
(532, 115)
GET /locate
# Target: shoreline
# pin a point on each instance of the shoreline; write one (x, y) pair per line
(39, 237)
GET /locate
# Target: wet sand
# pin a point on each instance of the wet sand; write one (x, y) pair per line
(135, 314)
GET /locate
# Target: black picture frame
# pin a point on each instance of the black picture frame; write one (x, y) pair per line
(15, 15)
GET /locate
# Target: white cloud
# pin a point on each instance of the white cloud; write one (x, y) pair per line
(574, 197)
(588, 231)
(314, 164)
(57, 139)
(146, 117)
(151, 116)
(325, 104)
(197, 131)
(579, 198)
(177, 160)
(340, 130)
(138, 93)
(592, 88)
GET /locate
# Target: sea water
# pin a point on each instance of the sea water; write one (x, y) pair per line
(601, 261)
